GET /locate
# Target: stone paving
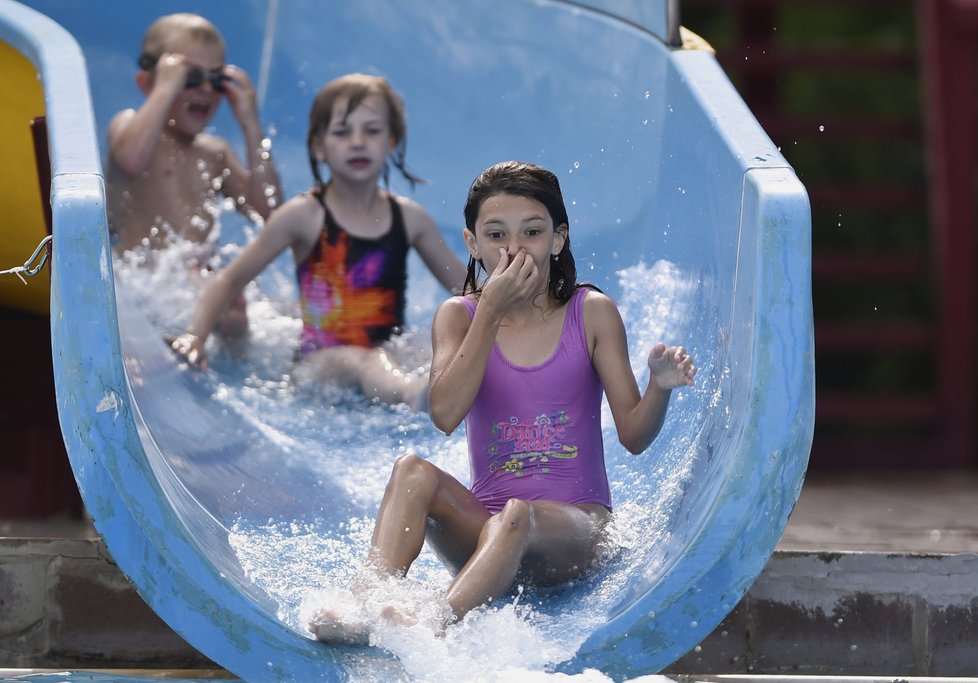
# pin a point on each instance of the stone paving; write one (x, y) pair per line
(876, 575)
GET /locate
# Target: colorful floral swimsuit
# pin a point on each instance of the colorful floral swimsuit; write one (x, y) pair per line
(535, 432)
(351, 290)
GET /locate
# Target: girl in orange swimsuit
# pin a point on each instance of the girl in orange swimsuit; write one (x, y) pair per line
(350, 238)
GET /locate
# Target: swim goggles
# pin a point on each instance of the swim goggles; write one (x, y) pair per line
(195, 77)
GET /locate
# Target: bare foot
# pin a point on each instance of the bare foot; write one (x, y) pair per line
(332, 627)
(395, 616)
(436, 622)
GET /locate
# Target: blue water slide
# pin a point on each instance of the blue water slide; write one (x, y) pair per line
(682, 209)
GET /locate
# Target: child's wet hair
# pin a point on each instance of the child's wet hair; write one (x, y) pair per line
(355, 88)
(170, 28)
(523, 179)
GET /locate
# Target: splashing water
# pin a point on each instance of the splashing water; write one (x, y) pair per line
(304, 561)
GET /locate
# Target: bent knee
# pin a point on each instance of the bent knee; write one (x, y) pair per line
(414, 472)
(515, 517)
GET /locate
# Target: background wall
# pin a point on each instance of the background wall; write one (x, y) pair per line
(854, 94)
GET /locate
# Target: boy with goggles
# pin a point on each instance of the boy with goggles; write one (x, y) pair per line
(165, 176)
(195, 77)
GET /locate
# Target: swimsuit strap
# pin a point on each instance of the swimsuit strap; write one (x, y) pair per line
(331, 225)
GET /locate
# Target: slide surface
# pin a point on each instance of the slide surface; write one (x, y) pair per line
(235, 502)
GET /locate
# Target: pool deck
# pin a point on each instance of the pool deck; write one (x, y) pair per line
(921, 512)
(876, 575)
(900, 512)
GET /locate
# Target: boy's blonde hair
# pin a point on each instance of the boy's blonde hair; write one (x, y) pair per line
(166, 30)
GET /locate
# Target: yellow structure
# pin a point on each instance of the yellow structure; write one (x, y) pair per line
(22, 216)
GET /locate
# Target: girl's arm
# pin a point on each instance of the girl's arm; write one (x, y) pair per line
(461, 347)
(287, 228)
(638, 417)
(424, 235)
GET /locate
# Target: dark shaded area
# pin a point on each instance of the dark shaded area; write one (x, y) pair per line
(35, 477)
(841, 87)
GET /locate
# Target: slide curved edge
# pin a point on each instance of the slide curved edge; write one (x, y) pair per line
(95, 405)
(772, 349)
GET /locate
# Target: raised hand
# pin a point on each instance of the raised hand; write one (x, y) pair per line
(671, 366)
(171, 72)
(240, 92)
(512, 282)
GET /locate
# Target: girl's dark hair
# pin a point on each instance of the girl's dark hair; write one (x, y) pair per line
(524, 179)
(355, 88)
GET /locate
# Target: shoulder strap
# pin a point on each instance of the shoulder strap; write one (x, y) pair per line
(470, 305)
(398, 227)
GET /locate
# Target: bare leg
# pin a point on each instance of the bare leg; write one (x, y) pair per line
(380, 379)
(368, 369)
(419, 491)
(416, 493)
(553, 542)
(335, 365)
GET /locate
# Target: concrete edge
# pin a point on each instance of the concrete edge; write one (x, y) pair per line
(64, 603)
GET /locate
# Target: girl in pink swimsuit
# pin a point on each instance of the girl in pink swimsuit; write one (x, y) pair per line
(523, 357)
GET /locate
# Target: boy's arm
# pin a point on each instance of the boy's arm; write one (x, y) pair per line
(638, 417)
(425, 236)
(134, 134)
(257, 181)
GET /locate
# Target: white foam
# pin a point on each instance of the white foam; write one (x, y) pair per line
(305, 563)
